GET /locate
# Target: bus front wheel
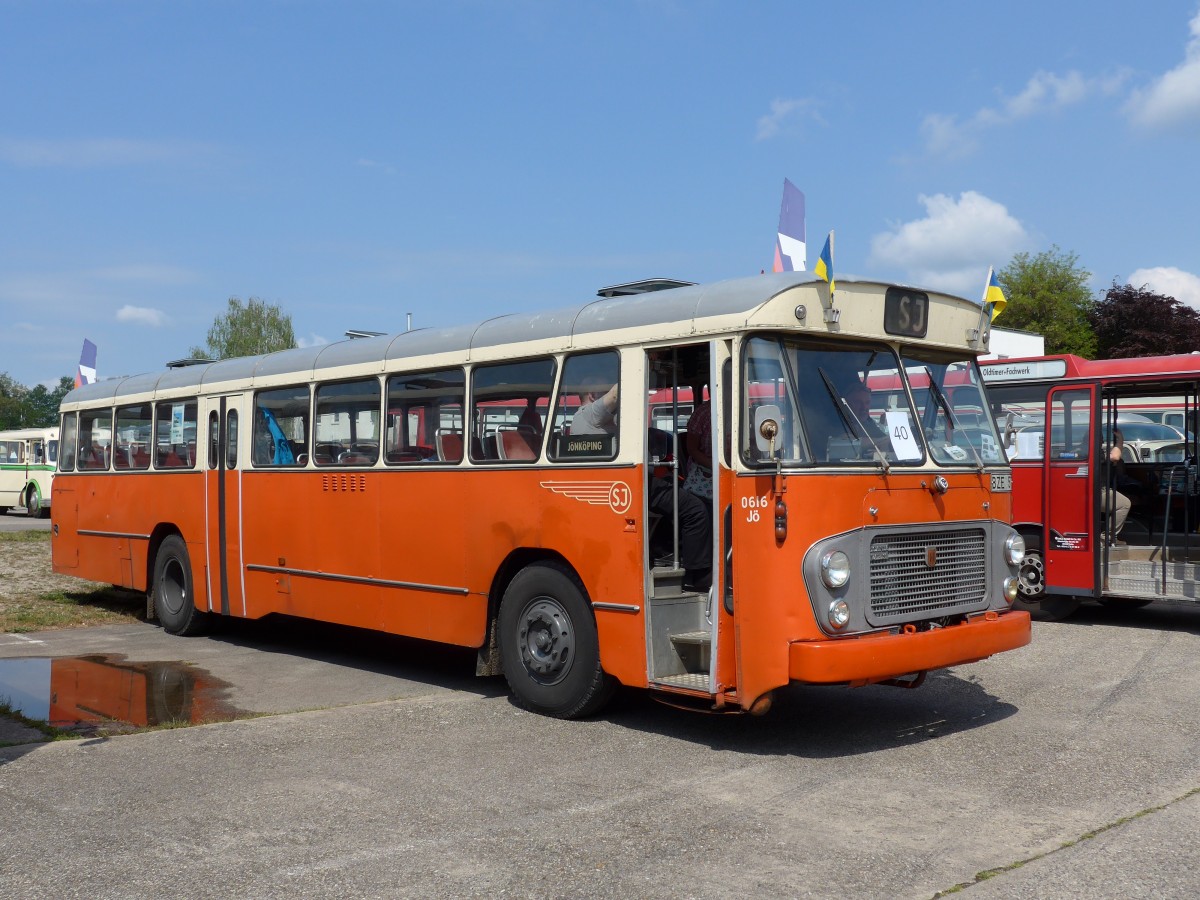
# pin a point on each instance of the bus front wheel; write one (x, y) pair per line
(1032, 596)
(174, 601)
(33, 503)
(549, 647)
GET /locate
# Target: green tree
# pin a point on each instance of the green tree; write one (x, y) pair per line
(43, 402)
(36, 407)
(1048, 294)
(1131, 321)
(13, 411)
(247, 330)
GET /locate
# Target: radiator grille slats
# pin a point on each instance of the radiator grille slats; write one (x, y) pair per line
(904, 587)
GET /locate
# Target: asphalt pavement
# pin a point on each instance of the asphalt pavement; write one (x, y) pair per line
(379, 767)
(17, 519)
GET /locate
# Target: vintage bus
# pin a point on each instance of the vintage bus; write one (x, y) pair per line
(438, 484)
(1058, 415)
(27, 460)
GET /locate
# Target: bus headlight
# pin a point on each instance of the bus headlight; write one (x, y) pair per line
(1011, 585)
(1014, 549)
(835, 569)
(839, 613)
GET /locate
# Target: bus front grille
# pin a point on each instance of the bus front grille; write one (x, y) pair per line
(921, 575)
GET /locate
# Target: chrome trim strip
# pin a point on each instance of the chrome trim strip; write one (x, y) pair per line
(114, 534)
(617, 607)
(357, 579)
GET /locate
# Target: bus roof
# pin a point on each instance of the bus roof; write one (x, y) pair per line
(1035, 368)
(771, 300)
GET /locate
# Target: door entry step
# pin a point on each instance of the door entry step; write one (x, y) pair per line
(694, 681)
(1129, 578)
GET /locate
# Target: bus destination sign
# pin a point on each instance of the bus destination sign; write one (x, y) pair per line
(905, 312)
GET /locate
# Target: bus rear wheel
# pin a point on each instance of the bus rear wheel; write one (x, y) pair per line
(549, 647)
(174, 600)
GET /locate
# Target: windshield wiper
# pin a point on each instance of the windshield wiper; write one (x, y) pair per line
(953, 419)
(842, 407)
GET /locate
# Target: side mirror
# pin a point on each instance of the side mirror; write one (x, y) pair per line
(766, 427)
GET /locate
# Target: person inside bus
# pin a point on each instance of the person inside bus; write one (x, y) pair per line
(699, 446)
(598, 412)
(1111, 500)
(858, 398)
(598, 415)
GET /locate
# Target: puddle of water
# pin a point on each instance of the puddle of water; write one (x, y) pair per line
(108, 694)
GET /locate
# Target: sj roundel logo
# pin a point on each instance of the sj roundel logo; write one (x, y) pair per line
(616, 495)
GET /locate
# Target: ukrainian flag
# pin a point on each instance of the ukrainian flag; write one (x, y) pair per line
(993, 296)
(824, 267)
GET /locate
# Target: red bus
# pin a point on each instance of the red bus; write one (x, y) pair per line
(439, 484)
(1058, 416)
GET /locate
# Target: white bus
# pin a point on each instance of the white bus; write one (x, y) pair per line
(27, 460)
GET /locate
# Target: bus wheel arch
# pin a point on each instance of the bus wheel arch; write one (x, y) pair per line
(548, 642)
(172, 587)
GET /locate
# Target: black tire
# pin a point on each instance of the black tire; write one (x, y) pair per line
(33, 503)
(1032, 596)
(174, 599)
(548, 644)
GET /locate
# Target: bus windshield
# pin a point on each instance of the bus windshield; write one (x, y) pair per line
(954, 417)
(826, 410)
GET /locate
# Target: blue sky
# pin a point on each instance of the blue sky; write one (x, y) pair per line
(355, 162)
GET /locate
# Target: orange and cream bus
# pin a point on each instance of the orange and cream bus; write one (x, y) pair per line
(439, 484)
(27, 459)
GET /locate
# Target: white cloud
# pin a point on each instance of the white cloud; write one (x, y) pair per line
(952, 247)
(88, 153)
(385, 168)
(1044, 93)
(782, 112)
(142, 315)
(313, 340)
(1175, 97)
(1170, 282)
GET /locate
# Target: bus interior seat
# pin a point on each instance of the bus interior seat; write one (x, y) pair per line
(515, 445)
(449, 445)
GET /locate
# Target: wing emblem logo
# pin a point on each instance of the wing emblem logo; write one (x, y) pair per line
(616, 495)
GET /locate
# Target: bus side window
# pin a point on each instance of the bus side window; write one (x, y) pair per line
(425, 418)
(280, 434)
(587, 377)
(508, 402)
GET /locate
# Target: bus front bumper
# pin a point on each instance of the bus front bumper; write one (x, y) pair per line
(880, 657)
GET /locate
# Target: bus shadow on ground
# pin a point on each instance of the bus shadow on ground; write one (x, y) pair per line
(1158, 616)
(374, 652)
(826, 722)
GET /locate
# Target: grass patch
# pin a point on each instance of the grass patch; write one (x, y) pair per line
(71, 609)
(24, 537)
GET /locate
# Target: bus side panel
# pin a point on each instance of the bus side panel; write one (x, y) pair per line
(593, 519)
(426, 538)
(1027, 498)
(325, 523)
(771, 607)
(129, 507)
(64, 539)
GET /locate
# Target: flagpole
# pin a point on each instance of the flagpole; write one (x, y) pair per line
(984, 330)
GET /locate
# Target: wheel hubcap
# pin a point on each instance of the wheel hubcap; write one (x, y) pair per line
(546, 640)
(1032, 580)
(174, 588)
